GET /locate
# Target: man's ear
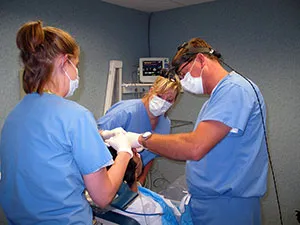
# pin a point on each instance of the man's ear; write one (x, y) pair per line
(200, 57)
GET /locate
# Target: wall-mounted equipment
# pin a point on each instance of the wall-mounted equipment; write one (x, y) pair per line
(149, 68)
(113, 86)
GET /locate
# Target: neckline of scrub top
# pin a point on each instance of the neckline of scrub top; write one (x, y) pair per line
(224, 78)
(146, 113)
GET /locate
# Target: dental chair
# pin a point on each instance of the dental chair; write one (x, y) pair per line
(108, 217)
(105, 216)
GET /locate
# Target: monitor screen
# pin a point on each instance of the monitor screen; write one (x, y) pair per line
(149, 68)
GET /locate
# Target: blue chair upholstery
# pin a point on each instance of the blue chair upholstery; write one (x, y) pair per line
(113, 216)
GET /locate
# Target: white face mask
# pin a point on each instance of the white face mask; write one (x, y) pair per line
(73, 83)
(158, 106)
(192, 84)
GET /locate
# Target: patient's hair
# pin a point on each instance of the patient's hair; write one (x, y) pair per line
(129, 176)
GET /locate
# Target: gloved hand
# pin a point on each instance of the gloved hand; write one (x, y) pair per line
(106, 134)
(120, 143)
(133, 140)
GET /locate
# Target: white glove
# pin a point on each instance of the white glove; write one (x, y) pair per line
(133, 140)
(106, 134)
(120, 143)
(184, 202)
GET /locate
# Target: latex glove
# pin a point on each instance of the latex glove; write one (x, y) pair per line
(133, 139)
(106, 134)
(184, 202)
(120, 143)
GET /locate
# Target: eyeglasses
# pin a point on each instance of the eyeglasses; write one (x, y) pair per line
(180, 74)
(184, 60)
(175, 71)
(168, 73)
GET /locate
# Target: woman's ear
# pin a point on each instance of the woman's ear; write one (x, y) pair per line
(61, 61)
(64, 60)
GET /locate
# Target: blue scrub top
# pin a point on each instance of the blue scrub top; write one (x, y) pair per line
(132, 116)
(237, 166)
(47, 144)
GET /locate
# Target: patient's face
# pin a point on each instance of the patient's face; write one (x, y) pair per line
(139, 165)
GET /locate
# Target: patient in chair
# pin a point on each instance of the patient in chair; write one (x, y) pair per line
(148, 207)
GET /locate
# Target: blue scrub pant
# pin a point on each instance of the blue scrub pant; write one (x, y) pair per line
(225, 211)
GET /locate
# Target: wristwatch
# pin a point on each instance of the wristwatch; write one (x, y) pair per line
(145, 137)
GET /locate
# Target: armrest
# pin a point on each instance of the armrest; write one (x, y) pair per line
(113, 217)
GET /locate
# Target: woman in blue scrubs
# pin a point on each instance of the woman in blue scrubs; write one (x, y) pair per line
(50, 147)
(146, 114)
(227, 159)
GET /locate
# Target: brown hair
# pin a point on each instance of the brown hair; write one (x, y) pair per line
(129, 175)
(39, 47)
(189, 50)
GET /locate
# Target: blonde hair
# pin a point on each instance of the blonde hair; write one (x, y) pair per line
(162, 85)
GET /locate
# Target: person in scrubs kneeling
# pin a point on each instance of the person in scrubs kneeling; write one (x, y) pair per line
(50, 147)
(227, 159)
(146, 114)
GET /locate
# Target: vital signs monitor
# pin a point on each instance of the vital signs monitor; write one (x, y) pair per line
(149, 68)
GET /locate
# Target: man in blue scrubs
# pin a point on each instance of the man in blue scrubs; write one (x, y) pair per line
(227, 161)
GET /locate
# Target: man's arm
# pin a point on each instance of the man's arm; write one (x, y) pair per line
(188, 146)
